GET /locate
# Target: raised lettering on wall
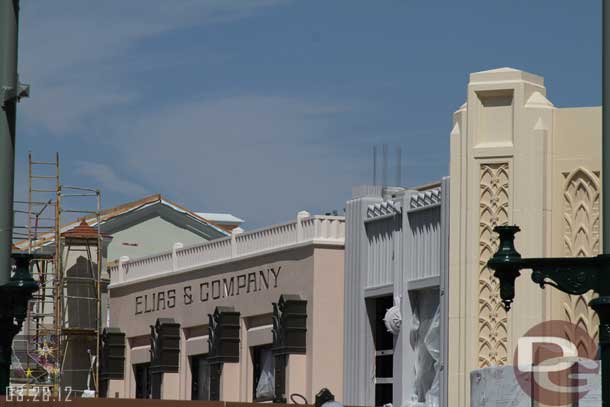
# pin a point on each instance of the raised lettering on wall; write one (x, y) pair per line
(492, 319)
(581, 238)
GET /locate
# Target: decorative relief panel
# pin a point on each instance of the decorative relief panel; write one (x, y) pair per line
(581, 238)
(494, 211)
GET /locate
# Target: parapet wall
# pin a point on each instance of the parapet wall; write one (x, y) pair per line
(305, 229)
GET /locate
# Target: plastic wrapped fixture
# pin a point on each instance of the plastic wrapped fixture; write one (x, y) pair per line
(432, 342)
(425, 342)
(265, 387)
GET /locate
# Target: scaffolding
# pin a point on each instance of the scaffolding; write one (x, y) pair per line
(81, 291)
(58, 348)
(36, 225)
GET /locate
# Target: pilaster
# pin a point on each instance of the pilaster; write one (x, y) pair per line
(499, 165)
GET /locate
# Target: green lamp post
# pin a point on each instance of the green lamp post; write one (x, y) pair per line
(573, 276)
(15, 290)
(14, 298)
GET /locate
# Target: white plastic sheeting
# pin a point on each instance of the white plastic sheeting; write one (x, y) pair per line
(432, 342)
(498, 386)
(502, 386)
(265, 387)
(425, 341)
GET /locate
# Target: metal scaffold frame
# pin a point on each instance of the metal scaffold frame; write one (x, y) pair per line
(54, 324)
(39, 221)
(75, 330)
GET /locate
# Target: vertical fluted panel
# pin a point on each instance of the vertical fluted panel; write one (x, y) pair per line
(380, 266)
(424, 261)
(359, 351)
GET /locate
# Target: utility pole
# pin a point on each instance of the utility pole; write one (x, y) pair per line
(15, 291)
(9, 10)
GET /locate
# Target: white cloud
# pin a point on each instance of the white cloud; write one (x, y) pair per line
(69, 107)
(65, 34)
(251, 154)
(73, 52)
(107, 179)
(261, 157)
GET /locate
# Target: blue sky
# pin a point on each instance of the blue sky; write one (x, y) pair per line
(263, 108)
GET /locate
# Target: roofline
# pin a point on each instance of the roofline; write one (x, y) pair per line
(193, 214)
(235, 221)
(427, 186)
(111, 213)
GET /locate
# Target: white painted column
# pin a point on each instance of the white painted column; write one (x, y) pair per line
(122, 270)
(234, 233)
(177, 246)
(301, 216)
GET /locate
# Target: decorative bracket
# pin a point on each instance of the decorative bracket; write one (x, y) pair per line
(223, 336)
(165, 346)
(572, 275)
(289, 337)
(290, 325)
(112, 361)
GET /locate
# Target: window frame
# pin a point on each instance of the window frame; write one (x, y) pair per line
(195, 361)
(256, 352)
(142, 371)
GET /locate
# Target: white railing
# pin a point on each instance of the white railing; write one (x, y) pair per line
(306, 228)
(264, 239)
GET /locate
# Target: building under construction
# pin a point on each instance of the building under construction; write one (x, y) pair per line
(58, 348)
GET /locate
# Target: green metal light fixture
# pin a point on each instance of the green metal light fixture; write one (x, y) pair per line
(572, 275)
(14, 298)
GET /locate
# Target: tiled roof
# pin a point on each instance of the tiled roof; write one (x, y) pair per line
(83, 231)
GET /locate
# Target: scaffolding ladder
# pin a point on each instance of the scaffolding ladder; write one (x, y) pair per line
(36, 226)
(49, 348)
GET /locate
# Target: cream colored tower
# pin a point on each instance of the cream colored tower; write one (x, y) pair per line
(515, 159)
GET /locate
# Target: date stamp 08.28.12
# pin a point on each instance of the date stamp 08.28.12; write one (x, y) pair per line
(40, 394)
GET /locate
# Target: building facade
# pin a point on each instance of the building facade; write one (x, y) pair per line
(397, 246)
(257, 316)
(516, 159)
